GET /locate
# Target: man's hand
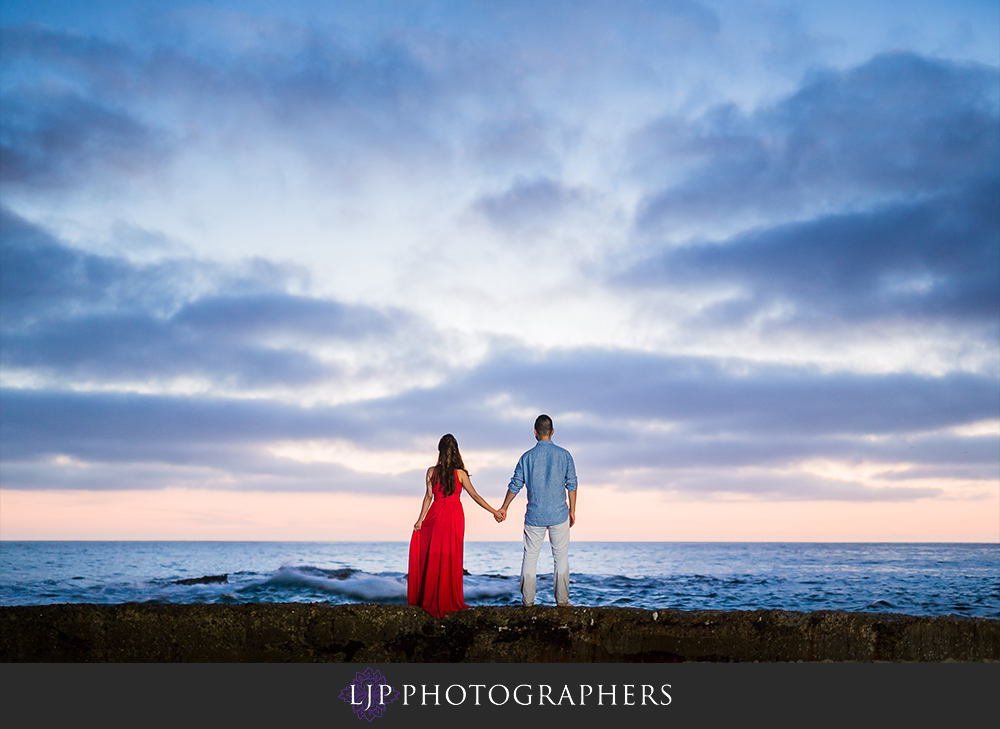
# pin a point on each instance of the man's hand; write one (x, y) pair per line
(572, 518)
(500, 515)
(508, 497)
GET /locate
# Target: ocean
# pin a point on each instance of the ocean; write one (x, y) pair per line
(915, 579)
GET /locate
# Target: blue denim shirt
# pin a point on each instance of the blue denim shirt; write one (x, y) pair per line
(549, 472)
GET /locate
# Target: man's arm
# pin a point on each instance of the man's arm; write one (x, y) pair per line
(571, 487)
(516, 484)
(570, 473)
(506, 502)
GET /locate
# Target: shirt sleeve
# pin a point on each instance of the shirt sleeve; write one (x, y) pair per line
(570, 473)
(517, 480)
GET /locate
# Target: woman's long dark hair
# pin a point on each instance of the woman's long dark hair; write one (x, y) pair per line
(448, 460)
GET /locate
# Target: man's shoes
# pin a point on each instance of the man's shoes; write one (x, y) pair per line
(564, 604)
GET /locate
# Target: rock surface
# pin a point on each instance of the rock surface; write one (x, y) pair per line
(260, 632)
(206, 580)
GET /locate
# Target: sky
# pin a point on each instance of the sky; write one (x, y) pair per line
(257, 258)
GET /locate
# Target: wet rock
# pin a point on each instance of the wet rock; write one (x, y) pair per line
(259, 632)
(206, 580)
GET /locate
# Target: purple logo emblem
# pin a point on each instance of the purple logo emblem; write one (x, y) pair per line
(369, 694)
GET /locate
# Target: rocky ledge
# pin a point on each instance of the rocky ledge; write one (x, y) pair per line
(400, 633)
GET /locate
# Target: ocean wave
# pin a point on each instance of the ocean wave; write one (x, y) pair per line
(484, 588)
(354, 584)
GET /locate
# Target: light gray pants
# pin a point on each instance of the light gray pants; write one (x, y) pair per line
(559, 540)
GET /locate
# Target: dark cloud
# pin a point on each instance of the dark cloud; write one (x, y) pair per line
(516, 142)
(718, 397)
(282, 314)
(527, 205)
(110, 441)
(78, 60)
(471, 85)
(105, 319)
(933, 259)
(116, 427)
(900, 124)
(57, 139)
(624, 454)
(76, 109)
(109, 348)
(42, 279)
(640, 421)
(880, 190)
(797, 487)
(243, 471)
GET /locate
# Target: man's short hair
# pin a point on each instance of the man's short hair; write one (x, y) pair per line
(543, 425)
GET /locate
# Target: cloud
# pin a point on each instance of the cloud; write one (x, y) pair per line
(934, 259)
(346, 93)
(868, 197)
(111, 441)
(674, 424)
(794, 487)
(82, 111)
(899, 125)
(64, 141)
(282, 314)
(865, 199)
(42, 278)
(689, 425)
(62, 125)
(528, 205)
(717, 396)
(99, 318)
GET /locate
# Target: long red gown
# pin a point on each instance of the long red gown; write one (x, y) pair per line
(435, 578)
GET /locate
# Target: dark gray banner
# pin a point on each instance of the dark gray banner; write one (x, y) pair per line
(507, 695)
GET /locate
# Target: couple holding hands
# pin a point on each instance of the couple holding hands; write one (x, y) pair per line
(547, 472)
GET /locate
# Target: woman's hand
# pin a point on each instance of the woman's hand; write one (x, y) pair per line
(425, 506)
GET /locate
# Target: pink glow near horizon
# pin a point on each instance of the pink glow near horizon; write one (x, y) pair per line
(604, 514)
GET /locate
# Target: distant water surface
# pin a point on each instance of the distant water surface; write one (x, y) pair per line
(917, 579)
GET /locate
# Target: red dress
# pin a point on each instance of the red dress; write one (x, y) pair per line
(435, 579)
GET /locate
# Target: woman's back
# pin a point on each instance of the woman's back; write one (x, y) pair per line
(436, 551)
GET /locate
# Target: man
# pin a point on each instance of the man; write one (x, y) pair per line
(549, 473)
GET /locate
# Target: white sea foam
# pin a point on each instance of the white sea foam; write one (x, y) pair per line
(479, 588)
(358, 585)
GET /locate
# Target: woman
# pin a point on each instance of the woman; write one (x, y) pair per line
(435, 579)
